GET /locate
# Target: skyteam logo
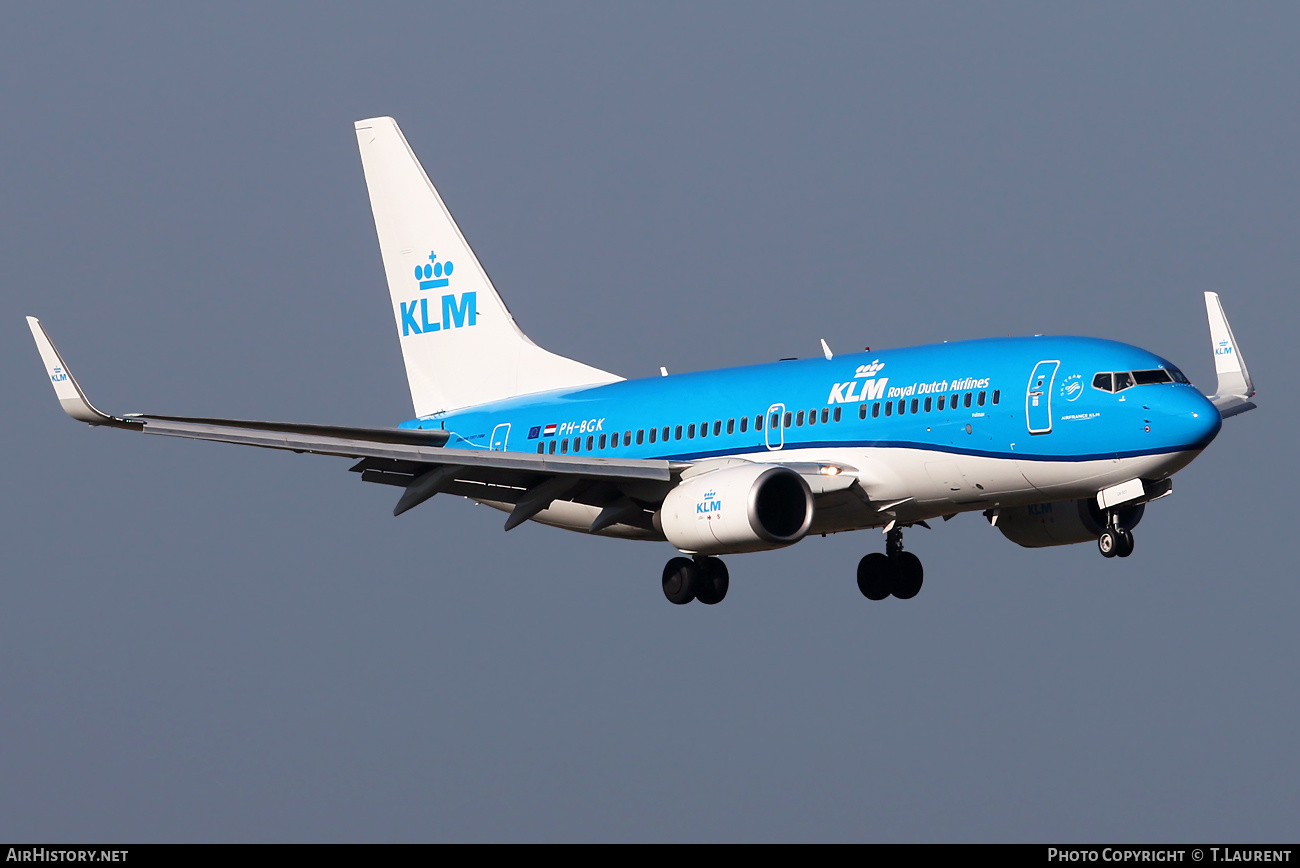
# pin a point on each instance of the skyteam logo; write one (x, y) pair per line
(458, 311)
(708, 505)
(1072, 387)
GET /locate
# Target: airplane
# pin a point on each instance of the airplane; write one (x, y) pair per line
(1055, 440)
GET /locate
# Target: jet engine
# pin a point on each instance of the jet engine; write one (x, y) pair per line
(1059, 524)
(748, 508)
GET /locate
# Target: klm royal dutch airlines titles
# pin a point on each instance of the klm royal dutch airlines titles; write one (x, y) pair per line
(1055, 440)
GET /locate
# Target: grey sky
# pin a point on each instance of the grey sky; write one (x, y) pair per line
(202, 642)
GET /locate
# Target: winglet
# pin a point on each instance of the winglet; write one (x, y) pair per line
(74, 401)
(1235, 388)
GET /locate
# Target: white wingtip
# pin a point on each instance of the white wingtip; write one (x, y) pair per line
(1235, 387)
(70, 396)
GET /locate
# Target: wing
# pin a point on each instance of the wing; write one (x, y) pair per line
(626, 489)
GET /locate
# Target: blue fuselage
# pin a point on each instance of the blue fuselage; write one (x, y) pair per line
(1036, 399)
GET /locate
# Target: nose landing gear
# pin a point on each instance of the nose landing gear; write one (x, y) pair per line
(1115, 540)
(895, 572)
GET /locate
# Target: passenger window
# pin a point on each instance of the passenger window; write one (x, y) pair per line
(627, 438)
(577, 445)
(551, 448)
(717, 427)
(862, 410)
(690, 431)
(788, 418)
(640, 436)
(798, 419)
(952, 402)
(837, 414)
(875, 410)
(825, 415)
(997, 393)
(704, 429)
(942, 401)
(916, 404)
(980, 401)
(744, 424)
(927, 404)
(564, 446)
(967, 401)
(889, 408)
(591, 441)
(654, 433)
(664, 436)
(902, 406)
(679, 432)
(812, 417)
(541, 447)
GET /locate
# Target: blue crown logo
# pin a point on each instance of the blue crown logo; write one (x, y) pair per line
(434, 275)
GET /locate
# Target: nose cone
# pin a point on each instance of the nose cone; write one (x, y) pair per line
(1190, 419)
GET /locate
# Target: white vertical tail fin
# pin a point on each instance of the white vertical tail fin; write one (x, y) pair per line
(459, 342)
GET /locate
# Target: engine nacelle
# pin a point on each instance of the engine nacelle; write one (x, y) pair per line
(1064, 523)
(738, 509)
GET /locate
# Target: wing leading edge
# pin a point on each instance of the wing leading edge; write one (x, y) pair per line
(414, 459)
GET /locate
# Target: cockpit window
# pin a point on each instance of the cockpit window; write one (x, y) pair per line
(1159, 375)
(1118, 381)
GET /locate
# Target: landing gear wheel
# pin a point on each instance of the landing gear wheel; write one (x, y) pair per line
(875, 576)
(1108, 543)
(1125, 543)
(713, 581)
(908, 576)
(681, 577)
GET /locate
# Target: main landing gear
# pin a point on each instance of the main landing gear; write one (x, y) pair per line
(699, 578)
(1115, 540)
(895, 572)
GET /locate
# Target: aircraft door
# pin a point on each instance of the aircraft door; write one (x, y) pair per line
(773, 432)
(1038, 397)
(500, 435)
